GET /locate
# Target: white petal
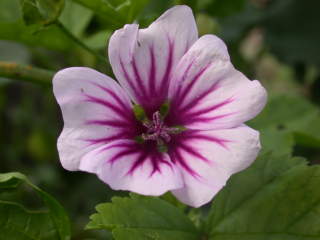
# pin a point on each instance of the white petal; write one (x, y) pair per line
(208, 93)
(143, 60)
(123, 165)
(95, 111)
(214, 156)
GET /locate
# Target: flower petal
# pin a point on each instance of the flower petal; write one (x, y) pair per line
(212, 157)
(209, 93)
(126, 165)
(143, 60)
(95, 111)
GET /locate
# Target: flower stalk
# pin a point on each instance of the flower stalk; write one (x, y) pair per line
(25, 73)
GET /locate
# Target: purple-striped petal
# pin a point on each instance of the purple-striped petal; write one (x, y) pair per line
(207, 92)
(143, 60)
(95, 111)
(208, 158)
(127, 165)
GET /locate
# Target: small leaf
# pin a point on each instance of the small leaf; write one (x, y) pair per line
(139, 218)
(50, 223)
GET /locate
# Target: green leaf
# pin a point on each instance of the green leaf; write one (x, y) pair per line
(20, 218)
(18, 223)
(292, 114)
(276, 198)
(139, 218)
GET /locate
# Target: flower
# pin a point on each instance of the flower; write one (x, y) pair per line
(175, 121)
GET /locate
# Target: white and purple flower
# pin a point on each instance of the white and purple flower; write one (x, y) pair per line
(175, 120)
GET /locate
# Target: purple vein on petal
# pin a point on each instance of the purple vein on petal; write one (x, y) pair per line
(127, 77)
(208, 109)
(161, 160)
(197, 135)
(155, 160)
(111, 123)
(166, 77)
(193, 152)
(138, 162)
(176, 157)
(115, 145)
(138, 79)
(193, 103)
(106, 104)
(105, 140)
(208, 119)
(113, 95)
(184, 77)
(152, 72)
(124, 152)
(190, 85)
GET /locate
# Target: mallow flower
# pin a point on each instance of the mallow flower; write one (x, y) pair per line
(173, 121)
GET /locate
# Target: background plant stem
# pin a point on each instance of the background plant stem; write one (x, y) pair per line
(25, 73)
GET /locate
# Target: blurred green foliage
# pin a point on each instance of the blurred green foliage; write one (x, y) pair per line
(275, 41)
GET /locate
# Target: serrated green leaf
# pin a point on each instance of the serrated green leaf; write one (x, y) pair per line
(19, 219)
(276, 198)
(139, 218)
